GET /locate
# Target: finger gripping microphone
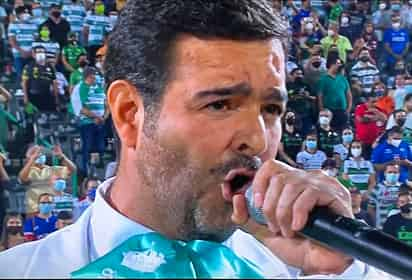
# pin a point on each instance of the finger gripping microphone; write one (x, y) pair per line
(351, 237)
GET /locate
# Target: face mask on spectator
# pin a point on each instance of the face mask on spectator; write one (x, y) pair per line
(25, 17)
(345, 21)
(316, 64)
(396, 7)
(324, 120)
(56, 14)
(382, 6)
(347, 138)
(45, 34)
(331, 32)
(396, 142)
(290, 121)
(406, 209)
(100, 9)
(40, 58)
(396, 25)
(299, 79)
(379, 92)
(13, 230)
(364, 58)
(356, 152)
(45, 208)
(392, 178)
(331, 172)
(311, 144)
(401, 121)
(309, 26)
(113, 18)
(83, 63)
(41, 160)
(60, 185)
(99, 65)
(37, 13)
(91, 194)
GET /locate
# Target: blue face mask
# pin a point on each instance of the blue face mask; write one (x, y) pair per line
(396, 7)
(311, 144)
(37, 13)
(60, 185)
(45, 208)
(347, 138)
(41, 160)
(91, 194)
(392, 178)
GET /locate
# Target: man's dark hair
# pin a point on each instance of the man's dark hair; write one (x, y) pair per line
(140, 49)
(43, 195)
(408, 97)
(398, 111)
(65, 215)
(395, 130)
(39, 47)
(332, 58)
(296, 69)
(89, 71)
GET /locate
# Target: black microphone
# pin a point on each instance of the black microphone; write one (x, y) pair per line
(351, 237)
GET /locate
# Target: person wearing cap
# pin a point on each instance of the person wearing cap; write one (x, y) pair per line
(59, 27)
(71, 53)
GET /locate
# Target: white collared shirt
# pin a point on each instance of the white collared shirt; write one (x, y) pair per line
(101, 229)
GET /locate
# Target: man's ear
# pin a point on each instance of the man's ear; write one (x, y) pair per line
(126, 107)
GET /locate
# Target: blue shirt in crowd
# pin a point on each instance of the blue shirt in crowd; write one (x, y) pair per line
(397, 40)
(386, 152)
(38, 228)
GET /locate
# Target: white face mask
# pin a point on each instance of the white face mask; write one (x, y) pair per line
(25, 17)
(382, 6)
(331, 32)
(40, 57)
(356, 152)
(99, 65)
(331, 172)
(345, 20)
(324, 120)
(396, 25)
(396, 142)
(309, 26)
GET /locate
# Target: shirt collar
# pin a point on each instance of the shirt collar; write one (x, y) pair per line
(108, 228)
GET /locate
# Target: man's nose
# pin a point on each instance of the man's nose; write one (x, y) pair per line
(250, 139)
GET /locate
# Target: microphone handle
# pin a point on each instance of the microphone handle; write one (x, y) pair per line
(353, 238)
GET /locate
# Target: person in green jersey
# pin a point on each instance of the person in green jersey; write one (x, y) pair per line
(336, 10)
(71, 53)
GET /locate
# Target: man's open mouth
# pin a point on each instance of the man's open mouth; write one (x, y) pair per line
(236, 182)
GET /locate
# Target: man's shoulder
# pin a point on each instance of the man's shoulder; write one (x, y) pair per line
(43, 258)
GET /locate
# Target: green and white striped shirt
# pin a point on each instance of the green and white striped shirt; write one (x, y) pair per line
(25, 34)
(359, 172)
(383, 199)
(98, 27)
(75, 15)
(93, 98)
(45, 5)
(63, 202)
(52, 48)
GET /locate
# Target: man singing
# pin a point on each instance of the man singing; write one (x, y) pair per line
(197, 91)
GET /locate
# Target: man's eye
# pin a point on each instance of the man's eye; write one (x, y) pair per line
(218, 105)
(272, 109)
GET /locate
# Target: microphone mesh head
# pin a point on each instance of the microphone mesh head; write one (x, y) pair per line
(255, 213)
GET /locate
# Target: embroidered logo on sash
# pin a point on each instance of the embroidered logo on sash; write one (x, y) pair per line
(146, 261)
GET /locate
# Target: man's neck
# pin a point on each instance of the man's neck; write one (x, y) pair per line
(312, 151)
(44, 216)
(332, 73)
(325, 127)
(56, 193)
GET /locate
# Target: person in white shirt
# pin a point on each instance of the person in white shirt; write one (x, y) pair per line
(186, 138)
(311, 158)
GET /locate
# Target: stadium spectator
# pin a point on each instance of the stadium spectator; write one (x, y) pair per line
(369, 123)
(39, 83)
(369, 40)
(36, 174)
(44, 222)
(71, 53)
(359, 171)
(77, 75)
(95, 27)
(22, 34)
(327, 136)
(393, 150)
(59, 27)
(311, 158)
(336, 10)
(400, 225)
(314, 68)
(383, 198)
(89, 189)
(357, 20)
(358, 212)
(75, 13)
(51, 47)
(301, 100)
(363, 75)
(334, 93)
(291, 143)
(64, 219)
(385, 102)
(5, 98)
(341, 150)
(12, 231)
(336, 41)
(4, 182)
(92, 116)
(62, 200)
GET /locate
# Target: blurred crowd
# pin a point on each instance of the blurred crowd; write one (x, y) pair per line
(349, 109)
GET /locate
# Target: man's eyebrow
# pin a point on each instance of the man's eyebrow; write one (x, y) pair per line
(276, 94)
(241, 89)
